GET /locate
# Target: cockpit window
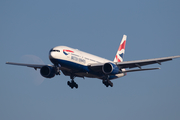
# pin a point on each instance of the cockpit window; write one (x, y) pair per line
(54, 50)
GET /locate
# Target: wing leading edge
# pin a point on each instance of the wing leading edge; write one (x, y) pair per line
(35, 66)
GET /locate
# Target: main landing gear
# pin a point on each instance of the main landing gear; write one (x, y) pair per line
(72, 83)
(107, 83)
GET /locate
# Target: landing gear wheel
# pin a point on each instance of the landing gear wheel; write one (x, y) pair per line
(69, 83)
(58, 73)
(72, 84)
(107, 83)
(76, 85)
(110, 83)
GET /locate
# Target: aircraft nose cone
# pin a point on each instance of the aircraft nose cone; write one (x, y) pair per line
(51, 55)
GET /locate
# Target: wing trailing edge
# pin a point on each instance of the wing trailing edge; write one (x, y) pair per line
(134, 70)
(139, 63)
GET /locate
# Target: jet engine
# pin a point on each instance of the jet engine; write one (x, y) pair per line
(110, 68)
(48, 71)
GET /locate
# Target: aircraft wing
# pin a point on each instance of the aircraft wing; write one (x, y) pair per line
(97, 67)
(139, 63)
(35, 66)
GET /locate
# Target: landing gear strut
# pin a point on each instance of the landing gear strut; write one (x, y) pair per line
(72, 83)
(57, 68)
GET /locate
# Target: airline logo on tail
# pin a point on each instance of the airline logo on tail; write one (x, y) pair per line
(121, 50)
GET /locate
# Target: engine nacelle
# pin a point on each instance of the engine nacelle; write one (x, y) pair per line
(48, 71)
(110, 68)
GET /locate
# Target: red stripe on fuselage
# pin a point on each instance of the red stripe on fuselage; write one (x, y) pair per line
(68, 51)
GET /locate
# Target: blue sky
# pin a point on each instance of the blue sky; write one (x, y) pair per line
(29, 29)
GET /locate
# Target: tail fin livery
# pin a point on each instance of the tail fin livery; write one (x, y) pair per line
(121, 50)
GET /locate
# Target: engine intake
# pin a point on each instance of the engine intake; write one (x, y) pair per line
(48, 71)
(110, 68)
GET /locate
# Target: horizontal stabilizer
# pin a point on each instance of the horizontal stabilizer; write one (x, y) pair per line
(134, 70)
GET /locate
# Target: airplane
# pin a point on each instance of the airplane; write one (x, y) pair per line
(75, 63)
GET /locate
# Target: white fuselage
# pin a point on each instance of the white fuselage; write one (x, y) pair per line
(73, 59)
(76, 56)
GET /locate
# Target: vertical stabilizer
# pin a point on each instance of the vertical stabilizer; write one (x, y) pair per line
(121, 50)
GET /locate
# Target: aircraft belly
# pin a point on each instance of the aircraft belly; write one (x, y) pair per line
(87, 75)
(74, 67)
(80, 70)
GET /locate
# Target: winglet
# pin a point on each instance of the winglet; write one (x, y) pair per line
(121, 50)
